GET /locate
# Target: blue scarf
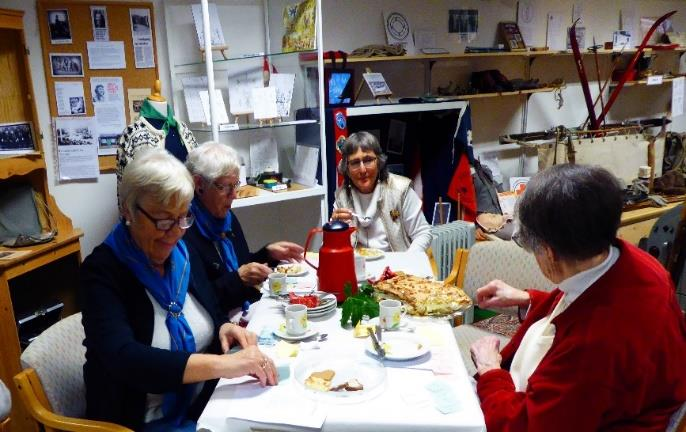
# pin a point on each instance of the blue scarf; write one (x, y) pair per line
(217, 231)
(170, 292)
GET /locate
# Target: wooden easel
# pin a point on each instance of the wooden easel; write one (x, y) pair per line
(220, 48)
(377, 99)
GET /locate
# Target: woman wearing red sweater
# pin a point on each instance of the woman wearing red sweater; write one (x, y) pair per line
(603, 351)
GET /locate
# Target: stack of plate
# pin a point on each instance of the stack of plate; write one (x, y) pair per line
(327, 304)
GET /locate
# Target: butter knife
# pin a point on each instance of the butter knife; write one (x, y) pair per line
(375, 343)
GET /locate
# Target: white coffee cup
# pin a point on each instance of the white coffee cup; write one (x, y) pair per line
(390, 314)
(360, 268)
(277, 283)
(296, 319)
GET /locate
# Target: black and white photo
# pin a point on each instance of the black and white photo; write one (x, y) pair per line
(101, 30)
(77, 105)
(74, 136)
(99, 93)
(66, 65)
(16, 138)
(140, 22)
(58, 23)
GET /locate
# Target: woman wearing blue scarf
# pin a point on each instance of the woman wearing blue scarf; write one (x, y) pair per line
(153, 325)
(217, 236)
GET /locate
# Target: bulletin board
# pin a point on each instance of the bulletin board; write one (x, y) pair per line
(81, 26)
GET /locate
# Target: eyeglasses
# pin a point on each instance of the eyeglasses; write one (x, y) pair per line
(226, 189)
(184, 222)
(356, 164)
(517, 239)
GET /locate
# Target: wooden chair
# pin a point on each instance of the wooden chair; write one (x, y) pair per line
(51, 385)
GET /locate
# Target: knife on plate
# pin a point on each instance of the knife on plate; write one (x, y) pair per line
(375, 343)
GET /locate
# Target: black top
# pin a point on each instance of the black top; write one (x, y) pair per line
(228, 286)
(118, 318)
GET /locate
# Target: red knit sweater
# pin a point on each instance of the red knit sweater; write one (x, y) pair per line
(617, 363)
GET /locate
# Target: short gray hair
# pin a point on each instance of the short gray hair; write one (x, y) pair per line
(573, 209)
(158, 174)
(212, 160)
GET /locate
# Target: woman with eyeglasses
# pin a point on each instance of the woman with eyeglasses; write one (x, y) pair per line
(217, 235)
(383, 206)
(153, 324)
(603, 351)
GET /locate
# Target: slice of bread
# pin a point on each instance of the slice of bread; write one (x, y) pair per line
(320, 381)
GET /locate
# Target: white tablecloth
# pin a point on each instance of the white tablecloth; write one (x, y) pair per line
(404, 404)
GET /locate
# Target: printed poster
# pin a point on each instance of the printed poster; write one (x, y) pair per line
(299, 24)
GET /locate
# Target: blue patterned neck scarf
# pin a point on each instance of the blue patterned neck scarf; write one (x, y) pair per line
(218, 231)
(169, 290)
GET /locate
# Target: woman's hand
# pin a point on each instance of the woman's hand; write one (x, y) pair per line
(251, 361)
(486, 354)
(497, 293)
(253, 273)
(285, 251)
(342, 214)
(230, 333)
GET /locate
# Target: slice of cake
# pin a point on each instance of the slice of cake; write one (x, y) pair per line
(320, 381)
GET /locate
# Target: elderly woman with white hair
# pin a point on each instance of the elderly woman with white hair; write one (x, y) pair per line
(153, 324)
(217, 235)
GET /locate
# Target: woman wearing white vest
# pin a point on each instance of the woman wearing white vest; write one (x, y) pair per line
(384, 208)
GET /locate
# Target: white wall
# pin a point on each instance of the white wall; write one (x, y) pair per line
(353, 23)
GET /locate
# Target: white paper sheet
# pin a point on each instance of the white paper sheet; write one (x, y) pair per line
(101, 30)
(70, 99)
(215, 25)
(526, 14)
(305, 165)
(240, 92)
(106, 55)
(628, 15)
(264, 103)
(283, 83)
(77, 147)
(678, 96)
(141, 33)
(263, 155)
(107, 94)
(107, 89)
(222, 116)
(555, 36)
(192, 85)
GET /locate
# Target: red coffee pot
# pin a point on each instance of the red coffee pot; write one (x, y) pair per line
(336, 259)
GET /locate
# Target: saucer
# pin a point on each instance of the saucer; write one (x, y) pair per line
(375, 321)
(283, 335)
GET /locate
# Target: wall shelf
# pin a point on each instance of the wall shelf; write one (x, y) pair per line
(252, 126)
(267, 197)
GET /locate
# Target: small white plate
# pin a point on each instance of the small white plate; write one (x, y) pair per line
(302, 269)
(401, 346)
(378, 253)
(283, 335)
(375, 321)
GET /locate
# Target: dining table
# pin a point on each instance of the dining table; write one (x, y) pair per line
(430, 392)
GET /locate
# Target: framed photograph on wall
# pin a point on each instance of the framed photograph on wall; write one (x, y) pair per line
(58, 23)
(511, 36)
(16, 138)
(66, 64)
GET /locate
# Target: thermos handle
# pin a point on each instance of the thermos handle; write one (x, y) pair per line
(307, 245)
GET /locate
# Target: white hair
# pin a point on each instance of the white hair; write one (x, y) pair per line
(212, 160)
(155, 173)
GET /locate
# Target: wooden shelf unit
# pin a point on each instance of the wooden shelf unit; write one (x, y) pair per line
(44, 271)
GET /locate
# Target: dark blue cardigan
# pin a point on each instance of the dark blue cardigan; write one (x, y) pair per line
(121, 366)
(228, 286)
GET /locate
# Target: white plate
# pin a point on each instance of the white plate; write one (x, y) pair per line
(369, 372)
(302, 267)
(326, 301)
(401, 346)
(283, 335)
(379, 254)
(321, 312)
